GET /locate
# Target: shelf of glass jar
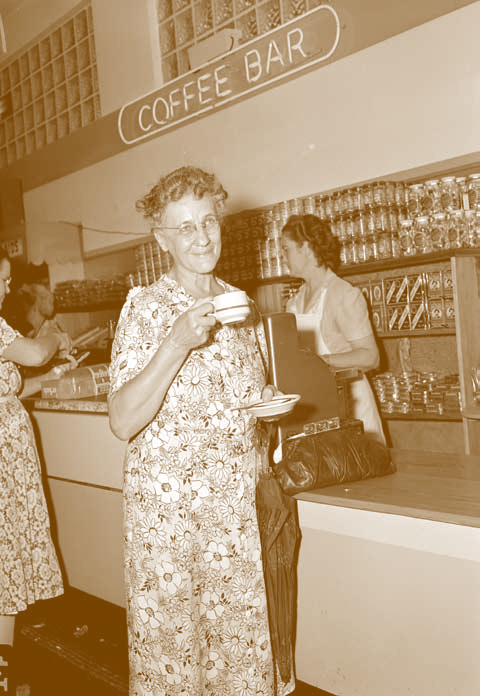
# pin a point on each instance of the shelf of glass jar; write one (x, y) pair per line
(418, 396)
(405, 261)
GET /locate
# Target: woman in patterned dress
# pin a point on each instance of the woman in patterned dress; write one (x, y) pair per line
(29, 569)
(196, 603)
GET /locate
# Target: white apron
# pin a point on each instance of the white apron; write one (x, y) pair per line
(360, 394)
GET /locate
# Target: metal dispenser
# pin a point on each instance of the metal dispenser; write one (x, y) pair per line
(295, 369)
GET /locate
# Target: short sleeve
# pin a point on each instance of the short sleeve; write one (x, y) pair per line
(7, 335)
(139, 332)
(352, 315)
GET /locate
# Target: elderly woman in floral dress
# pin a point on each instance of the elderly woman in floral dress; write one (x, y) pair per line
(196, 602)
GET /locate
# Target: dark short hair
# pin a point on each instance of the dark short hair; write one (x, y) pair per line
(319, 237)
(177, 184)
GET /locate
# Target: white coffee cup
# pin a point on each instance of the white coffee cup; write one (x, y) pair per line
(231, 307)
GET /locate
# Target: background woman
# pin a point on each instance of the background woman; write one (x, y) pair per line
(331, 314)
(29, 569)
(196, 604)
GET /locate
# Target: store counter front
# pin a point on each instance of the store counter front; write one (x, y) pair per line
(389, 581)
(388, 571)
(83, 462)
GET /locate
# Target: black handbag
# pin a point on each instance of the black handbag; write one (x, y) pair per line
(330, 457)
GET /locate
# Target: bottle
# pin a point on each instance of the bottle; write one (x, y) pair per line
(79, 383)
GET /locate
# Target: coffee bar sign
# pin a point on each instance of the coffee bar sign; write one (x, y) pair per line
(304, 42)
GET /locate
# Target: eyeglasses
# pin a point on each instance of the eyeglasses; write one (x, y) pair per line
(187, 229)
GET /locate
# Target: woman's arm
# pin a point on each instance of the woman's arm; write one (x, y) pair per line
(32, 352)
(136, 403)
(363, 355)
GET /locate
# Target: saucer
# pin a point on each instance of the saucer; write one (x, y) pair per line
(278, 406)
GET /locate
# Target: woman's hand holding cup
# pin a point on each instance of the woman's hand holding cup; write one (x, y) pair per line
(192, 328)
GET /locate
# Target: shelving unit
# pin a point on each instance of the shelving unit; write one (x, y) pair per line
(464, 338)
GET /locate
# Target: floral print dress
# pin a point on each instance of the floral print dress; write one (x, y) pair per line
(29, 569)
(196, 603)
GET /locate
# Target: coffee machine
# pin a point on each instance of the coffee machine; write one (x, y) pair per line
(296, 369)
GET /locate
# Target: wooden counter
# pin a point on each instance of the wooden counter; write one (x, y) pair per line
(388, 581)
(83, 463)
(427, 485)
(91, 404)
(388, 569)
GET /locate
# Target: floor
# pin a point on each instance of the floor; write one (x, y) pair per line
(76, 645)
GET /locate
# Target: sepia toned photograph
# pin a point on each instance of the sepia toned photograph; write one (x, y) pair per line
(239, 347)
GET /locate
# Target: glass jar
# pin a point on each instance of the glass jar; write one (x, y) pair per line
(400, 194)
(379, 193)
(456, 229)
(346, 253)
(471, 230)
(414, 199)
(421, 234)
(295, 206)
(329, 208)
(473, 191)
(360, 227)
(355, 251)
(336, 204)
(405, 238)
(282, 212)
(431, 197)
(438, 231)
(368, 195)
(341, 228)
(345, 201)
(389, 193)
(449, 193)
(349, 227)
(356, 199)
(461, 182)
(320, 209)
(309, 205)
(370, 217)
(384, 245)
(396, 247)
(393, 218)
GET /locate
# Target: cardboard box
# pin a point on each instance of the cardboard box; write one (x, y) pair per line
(396, 290)
(449, 312)
(378, 319)
(416, 287)
(436, 313)
(365, 292)
(376, 293)
(447, 283)
(403, 323)
(397, 317)
(418, 316)
(434, 284)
